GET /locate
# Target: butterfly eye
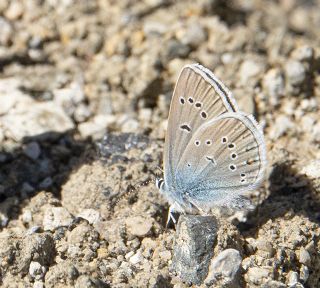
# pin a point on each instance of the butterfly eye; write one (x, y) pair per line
(243, 175)
(197, 142)
(198, 105)
(190, 100)
(243, 180)
(208, 142)
(203, 114)
(182, 101)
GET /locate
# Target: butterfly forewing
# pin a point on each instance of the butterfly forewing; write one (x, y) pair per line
(198, 98)
(225, 157)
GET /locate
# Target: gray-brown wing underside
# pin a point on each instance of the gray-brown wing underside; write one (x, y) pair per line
(198, 97)
(225, 157)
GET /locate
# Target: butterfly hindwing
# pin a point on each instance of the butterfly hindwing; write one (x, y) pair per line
(225, 157)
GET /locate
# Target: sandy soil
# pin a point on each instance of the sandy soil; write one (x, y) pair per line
(85, 88)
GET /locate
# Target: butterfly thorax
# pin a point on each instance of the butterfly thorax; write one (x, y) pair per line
(178, 199)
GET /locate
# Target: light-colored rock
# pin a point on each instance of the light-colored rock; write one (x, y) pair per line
(139, 226)
(36, 270)
(70, 96)
(224, 267)
(283, 124)
(55, 217)
(14, 11)
(259, 275)
(38, 284)
(250, 69)
(194, 35)
(136, 258)
(97, 126)
(304, 273)
(91, 215)
(293, 278)
(295, 72)
(303, 53)
(26, 216)
(304, 257)
(36, 119)
(312, 170)
(130, 126)
(6, 32)
(273, 83)
(266, 247)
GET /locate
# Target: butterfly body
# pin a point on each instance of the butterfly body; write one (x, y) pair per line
(213, 152)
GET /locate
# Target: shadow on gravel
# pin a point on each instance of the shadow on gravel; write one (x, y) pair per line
(61, 154)
(289, 191)
(22, 176)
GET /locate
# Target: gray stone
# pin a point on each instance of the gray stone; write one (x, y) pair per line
(32, 150)
(36, 247)
(46, 183)
(193, 248)
(176, 49)
(224, 268)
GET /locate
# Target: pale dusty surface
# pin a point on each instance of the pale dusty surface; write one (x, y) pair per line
(76, 213)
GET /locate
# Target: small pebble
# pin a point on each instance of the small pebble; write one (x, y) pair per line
(303, 53)
(295, 72)
(258, 275)
(36, 270)
(249, 69)
(55, 217)
(225, 266)
(32, 150)
(304, 273)
(139, 226)
(304, 257)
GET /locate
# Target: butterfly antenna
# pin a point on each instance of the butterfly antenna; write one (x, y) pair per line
(130, 189)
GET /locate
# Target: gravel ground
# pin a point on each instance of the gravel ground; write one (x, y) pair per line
(85, 88)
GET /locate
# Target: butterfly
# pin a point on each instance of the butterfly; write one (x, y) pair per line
(213, 152)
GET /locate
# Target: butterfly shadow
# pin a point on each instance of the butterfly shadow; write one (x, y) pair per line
(291, 193)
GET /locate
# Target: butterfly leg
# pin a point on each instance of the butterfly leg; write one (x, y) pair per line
(170, 215)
